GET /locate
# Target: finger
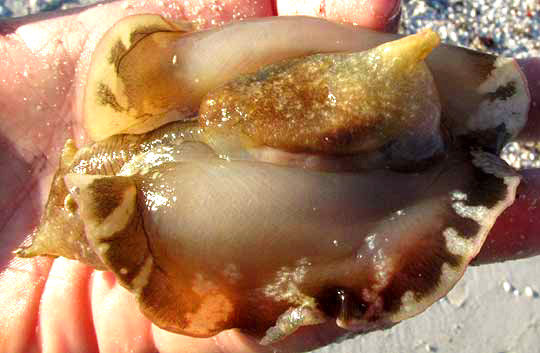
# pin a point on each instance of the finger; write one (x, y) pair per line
(380, 15)
(516, 233)
(233, 341)
(531, 70)
(67, 284)
(21, 286)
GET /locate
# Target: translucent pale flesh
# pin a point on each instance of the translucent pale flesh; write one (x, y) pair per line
(174, 212)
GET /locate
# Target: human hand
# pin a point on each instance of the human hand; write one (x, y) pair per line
(80, 309)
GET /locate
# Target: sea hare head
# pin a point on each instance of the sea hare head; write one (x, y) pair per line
(133, 96)
(295, 198)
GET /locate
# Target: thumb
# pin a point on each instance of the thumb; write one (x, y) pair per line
(382, 15)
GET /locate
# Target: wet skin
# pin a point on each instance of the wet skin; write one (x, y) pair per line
(40, 109)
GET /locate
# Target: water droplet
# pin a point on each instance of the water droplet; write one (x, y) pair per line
(529, 292)
(370, 240)
(507, 286)
(430, 348)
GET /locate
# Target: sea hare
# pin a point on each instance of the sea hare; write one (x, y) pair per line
(331, 186)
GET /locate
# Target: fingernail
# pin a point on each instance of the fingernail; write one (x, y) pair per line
(531, 70)
(393, 18)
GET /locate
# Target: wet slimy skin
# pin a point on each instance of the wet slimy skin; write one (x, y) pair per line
(324, 187)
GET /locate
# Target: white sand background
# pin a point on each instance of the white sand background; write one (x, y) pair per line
(495, 308)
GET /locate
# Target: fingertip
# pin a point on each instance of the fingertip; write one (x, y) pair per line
(375, 14)
(382, 15)
(515, 233)
(531, 70)
(306, 338)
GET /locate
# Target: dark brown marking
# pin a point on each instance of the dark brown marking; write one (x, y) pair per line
(491, 140)
(348, 137)
(419, 270)
(107, 97)
(127, 250)
(488, 191)
(116, 53)
(503, 92)
(465, 227)
(107, 194)
(483, 63)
